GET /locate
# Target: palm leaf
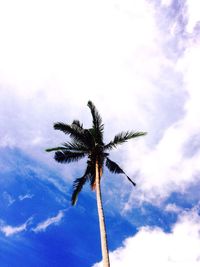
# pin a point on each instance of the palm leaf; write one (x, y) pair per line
(97, 129)
(68, 129)
(55, 148)
(122, 138)
(77, 123)
(77, 133)
(71, 147)
(78, 185)
(85, 133)
(68, 156)
(114, 168)
(97, 120)
(75, 146)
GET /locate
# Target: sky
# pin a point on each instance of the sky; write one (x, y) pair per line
(138, 62)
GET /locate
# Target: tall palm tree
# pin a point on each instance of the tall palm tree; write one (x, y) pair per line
(89, 143)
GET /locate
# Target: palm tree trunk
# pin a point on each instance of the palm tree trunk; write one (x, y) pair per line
(104, 246)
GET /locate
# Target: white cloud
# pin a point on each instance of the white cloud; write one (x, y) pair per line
(172, 164)
(166, 3)
(193, 14)
(9, 230)
(131, 66)
(50, 77)
(165, 168)
(172, 207)
(22, 197)
(153, 247)
(9, 199)
(52, 220)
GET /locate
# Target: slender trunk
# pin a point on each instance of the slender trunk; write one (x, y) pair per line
(104, 246)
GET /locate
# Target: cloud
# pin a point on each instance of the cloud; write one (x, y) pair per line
(172, 163)
(52, 220)
(88, 60)
(140, 64)
(173, 208)
(153, 247)
(8, 198)
(166, 3)
(103, 62)
(22, 197)
(193, 15)
(9, 230)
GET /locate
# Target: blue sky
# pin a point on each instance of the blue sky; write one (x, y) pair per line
(138, 61)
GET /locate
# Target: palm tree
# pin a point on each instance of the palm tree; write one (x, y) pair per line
(89, 143)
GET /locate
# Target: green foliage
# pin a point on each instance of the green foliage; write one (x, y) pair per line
(68, 156)
(122, 138)
(114, 168)
(77, 123)
(89, 143)
(54, 149)
(97, 126)
(77, 187)
(79, 182)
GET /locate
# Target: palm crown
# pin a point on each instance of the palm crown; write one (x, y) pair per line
(89, 143)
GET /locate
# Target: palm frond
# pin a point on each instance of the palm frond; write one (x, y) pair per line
(114, 168)
(98, 127)
(85, 133)
(68, 156)
(78, 185)
(77, 133)
(97, 120)
(77, 123)
(75, 146)
(67, 129)
(91, 169)
(122, 138)
(55, 148)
